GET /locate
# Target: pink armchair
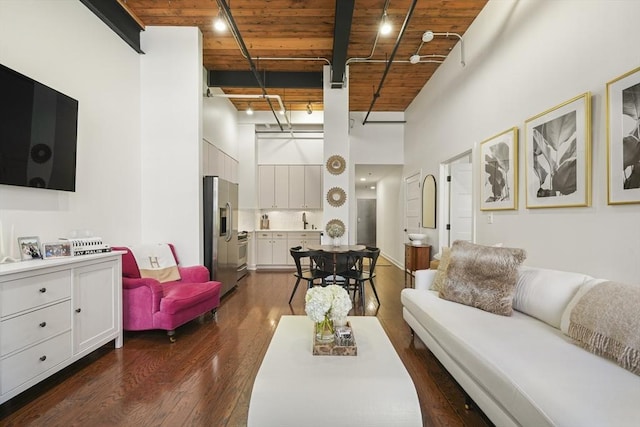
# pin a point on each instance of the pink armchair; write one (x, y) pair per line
(149, 304)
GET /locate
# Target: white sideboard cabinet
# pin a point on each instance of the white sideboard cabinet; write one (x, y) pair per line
(54, 312)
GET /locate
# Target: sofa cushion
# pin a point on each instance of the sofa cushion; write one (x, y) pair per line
(180, 296)
(441, 275)
(482, 276)
(544, 294)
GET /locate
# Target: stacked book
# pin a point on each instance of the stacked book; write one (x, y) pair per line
(87, 245)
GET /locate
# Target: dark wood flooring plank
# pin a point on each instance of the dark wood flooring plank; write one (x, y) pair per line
(206, 377)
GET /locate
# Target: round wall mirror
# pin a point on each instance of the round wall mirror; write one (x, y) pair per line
(429, 202)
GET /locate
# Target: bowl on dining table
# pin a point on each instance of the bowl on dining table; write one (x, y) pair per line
(417, 239)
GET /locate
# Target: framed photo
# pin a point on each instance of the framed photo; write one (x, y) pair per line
(499, 160)
(558, 155)
(56, 249)
(29, 248)
(623, 138)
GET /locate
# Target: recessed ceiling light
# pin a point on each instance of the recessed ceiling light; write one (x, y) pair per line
(363, 179)
(373, 187)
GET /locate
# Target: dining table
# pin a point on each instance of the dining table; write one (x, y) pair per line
(338, 255)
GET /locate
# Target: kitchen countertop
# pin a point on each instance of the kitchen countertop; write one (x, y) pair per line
(289, 230)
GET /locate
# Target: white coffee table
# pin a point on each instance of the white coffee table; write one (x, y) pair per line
(295, 388)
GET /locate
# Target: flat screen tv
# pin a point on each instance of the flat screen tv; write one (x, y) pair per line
(38, 134)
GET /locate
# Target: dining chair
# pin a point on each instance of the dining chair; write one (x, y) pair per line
(362, 272)
(310, 273)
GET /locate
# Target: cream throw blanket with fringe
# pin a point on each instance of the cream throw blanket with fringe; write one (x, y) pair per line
(156, 262)
(606, 321)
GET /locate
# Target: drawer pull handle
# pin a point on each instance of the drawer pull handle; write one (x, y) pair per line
(43, 358)
(78, 310)
(43, 290)
(43, 324)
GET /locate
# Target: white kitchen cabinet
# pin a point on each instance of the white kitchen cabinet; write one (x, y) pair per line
(313, 186)
(290, 186)
(272, 248)
(54, 312)
(218, 163)
(273, 186)
(305, 186)
(304, 238)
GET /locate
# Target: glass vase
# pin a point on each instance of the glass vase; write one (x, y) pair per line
(324, 331)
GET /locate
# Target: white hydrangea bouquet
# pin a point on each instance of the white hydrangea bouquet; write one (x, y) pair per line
(326, 306)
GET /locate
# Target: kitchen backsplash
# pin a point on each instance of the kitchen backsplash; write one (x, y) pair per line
(279, 220)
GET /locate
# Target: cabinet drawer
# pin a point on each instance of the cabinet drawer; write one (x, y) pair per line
(263, 235)
(26, 365)
(22, 331)
(33, 291)
(307, 237)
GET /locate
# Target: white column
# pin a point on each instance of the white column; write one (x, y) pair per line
(336, 142)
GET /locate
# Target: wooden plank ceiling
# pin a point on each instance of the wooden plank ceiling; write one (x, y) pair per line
(305, 29)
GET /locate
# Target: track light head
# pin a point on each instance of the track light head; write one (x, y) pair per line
(385, 25)
(427, 36)
(219, 24)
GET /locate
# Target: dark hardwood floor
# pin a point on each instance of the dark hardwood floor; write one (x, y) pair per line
(205, 378)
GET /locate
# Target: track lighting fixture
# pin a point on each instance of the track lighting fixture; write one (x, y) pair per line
(385, 25)
(309, 109)
(219, 24)
(428, 36)
(249, 110)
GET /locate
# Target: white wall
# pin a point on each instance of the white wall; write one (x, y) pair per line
(523, 58)
(64, 45)
(171, 71)
(376, 143)
(220, 124)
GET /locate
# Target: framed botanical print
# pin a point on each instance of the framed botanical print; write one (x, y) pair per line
(558, 155)
(499, 162)
(623, 138)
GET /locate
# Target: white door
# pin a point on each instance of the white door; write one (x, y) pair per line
(461, 206)
(412, 203)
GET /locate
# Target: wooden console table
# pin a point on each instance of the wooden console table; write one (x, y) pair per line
(415, 258)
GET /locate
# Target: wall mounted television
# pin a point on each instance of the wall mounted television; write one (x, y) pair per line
(38, 134)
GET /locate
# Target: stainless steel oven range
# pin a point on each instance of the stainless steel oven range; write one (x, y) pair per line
(243, 245)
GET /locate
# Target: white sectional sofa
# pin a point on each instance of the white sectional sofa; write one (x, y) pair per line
(522, 370)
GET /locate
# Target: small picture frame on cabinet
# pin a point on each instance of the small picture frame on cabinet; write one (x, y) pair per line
(29, 248)
(56, 250)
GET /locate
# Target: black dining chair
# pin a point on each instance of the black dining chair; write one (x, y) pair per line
(311, 272)
(362, 272)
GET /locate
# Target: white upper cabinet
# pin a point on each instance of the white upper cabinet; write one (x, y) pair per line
(273, 186)
(305, 186)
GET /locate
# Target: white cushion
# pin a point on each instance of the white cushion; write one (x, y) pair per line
(424, 278)
(544, 294)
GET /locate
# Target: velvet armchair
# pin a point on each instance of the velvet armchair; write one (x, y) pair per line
(149, 304)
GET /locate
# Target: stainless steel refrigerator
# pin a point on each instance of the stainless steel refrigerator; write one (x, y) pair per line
(221, 231)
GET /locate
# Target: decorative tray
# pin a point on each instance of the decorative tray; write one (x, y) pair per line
(338, 347)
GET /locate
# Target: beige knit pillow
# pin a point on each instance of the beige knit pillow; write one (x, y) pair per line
(441, 275)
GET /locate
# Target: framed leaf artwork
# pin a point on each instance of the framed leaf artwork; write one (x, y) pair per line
(623, 138)
(558, 155)
(499, 160)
